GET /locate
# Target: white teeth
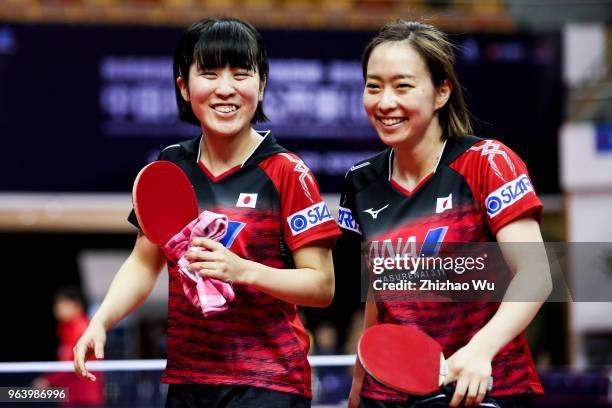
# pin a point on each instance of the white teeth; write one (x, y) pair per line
(390, 121)
(225, 108)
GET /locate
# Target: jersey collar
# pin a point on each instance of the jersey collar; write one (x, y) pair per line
(265, 148)
(392, 153)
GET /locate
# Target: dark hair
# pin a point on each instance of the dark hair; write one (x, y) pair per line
(216, 43)
(437, 51)
(70, 292)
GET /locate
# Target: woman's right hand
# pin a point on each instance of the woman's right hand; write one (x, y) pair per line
(90, 343)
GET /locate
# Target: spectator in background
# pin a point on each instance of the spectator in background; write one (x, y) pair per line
(354, 333)
(335, 381)
(326, 339)
(69, 311)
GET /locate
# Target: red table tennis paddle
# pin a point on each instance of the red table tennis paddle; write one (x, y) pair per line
(164, 201)
(403, 358)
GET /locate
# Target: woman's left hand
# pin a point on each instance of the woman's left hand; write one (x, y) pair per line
(470, 366)
(216, 261)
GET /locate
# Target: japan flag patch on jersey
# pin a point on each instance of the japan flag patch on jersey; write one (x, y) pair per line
(444, 203)
(247, 200)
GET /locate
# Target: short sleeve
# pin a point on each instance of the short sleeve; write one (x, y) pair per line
(305, 217)
(500, 183)
(347, 213)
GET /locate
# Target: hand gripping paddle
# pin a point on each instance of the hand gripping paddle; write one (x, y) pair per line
(402, 358)
(164, 201)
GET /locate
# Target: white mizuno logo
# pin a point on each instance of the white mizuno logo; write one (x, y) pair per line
(374, 213)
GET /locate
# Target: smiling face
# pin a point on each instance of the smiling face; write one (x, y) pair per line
(223, 99)
(400, 98)
(207, 50)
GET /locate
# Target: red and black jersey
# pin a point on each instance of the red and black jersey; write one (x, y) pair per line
(478, 187)
(274, 207)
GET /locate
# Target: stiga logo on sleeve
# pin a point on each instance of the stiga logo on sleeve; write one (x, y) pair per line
(508, 194)
(309, 217)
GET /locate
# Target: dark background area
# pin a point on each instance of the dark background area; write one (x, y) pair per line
(52, 126)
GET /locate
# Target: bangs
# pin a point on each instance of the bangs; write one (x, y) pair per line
(226, 44)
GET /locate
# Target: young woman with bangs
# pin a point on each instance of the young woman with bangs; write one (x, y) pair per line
(435, 177)
(253, 354)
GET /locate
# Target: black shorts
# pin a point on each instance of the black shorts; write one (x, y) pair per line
(231, 396)
(442, 399)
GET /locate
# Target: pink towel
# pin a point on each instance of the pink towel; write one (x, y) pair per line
(208, 295)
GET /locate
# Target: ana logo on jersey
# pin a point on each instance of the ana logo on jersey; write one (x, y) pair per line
(400, 246)
(233, 229)
(444, 203)
(508, 194)
(347, 221)
(247, 200)
(309, 217)
(374, 213)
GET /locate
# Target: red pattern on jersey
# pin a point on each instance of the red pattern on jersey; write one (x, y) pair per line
(258, 341)
(293, 179)
(487, 166)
